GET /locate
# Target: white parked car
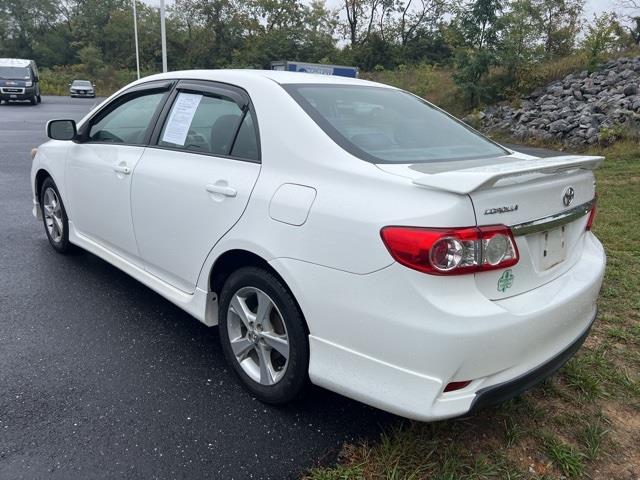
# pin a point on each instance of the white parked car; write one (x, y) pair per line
(337, 230)
(82, 88)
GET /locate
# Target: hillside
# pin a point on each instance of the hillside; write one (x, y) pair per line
(581, 109)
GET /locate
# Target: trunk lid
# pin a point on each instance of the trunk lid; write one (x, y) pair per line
(549, 234)
(546, 201)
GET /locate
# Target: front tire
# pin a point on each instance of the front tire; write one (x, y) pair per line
(54, 217)
(263, 335)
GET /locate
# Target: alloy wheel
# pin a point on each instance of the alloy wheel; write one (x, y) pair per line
(258, 335)
(53, 214)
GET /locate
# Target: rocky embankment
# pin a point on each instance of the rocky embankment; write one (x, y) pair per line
(581, 109)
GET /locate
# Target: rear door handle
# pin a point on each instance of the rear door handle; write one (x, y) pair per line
(221, 189)
(122, 169)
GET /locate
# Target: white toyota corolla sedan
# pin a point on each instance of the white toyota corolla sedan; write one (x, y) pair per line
(338, 231)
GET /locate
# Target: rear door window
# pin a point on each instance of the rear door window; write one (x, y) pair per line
(201, 123)
(246, 144)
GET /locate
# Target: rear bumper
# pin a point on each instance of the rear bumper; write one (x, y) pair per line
(395, 338)
(504, 391)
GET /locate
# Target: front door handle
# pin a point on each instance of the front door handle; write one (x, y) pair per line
(122, 169)
(221, 189)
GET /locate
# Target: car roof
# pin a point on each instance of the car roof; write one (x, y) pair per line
(243, 78)
(80, 80)
(14, 62)
(277, 76)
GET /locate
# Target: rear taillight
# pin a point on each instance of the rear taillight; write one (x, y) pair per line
(592, 217)
(451, 251)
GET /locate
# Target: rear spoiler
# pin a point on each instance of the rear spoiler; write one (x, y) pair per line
(468, 180)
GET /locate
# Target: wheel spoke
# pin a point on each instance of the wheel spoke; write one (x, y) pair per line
(239, 307)
(241, 347)
(266, 369)
(279, 343)
(264, 309)
(58, 224)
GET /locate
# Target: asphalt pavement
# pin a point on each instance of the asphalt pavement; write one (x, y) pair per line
(102, 378)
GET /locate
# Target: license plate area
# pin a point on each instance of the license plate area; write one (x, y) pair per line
(554, 247)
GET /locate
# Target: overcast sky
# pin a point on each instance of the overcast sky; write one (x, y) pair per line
(597, 6)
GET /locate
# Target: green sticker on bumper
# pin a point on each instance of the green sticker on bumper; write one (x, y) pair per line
(505, 281)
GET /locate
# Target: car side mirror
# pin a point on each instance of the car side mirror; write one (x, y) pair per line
(62, 129)
(69, 84)
(93, 84)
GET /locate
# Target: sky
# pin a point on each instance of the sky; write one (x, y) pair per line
(598, 6)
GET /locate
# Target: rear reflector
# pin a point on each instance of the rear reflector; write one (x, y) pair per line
(451, 251)
(453, 386)
(592, 217)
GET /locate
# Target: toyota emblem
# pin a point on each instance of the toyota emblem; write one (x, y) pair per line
(568, 195)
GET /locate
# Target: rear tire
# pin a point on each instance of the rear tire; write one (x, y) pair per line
(54, 217)
(263, 335)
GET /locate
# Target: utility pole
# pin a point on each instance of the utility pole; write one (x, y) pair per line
(163, 34)
(135, 34)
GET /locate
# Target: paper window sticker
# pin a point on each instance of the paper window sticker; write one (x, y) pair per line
(180, 118)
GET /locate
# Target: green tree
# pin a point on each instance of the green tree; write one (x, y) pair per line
(91, 57)
(520, 40)
(604, 34)
(560, 22)
(23, 23)
(361, 18)
(478, 25)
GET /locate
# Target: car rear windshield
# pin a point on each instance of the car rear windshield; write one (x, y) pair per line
(81, 83)
(385, 125)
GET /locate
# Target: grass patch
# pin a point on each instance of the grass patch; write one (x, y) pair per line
(577, 439)
(593, 435)
(513, 431)
(564, 456)
(588, 373)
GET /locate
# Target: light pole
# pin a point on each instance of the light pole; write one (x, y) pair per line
(163, 34)
(135, 34)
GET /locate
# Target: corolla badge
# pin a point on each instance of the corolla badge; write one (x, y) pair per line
(505, 209)
(567, 196)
